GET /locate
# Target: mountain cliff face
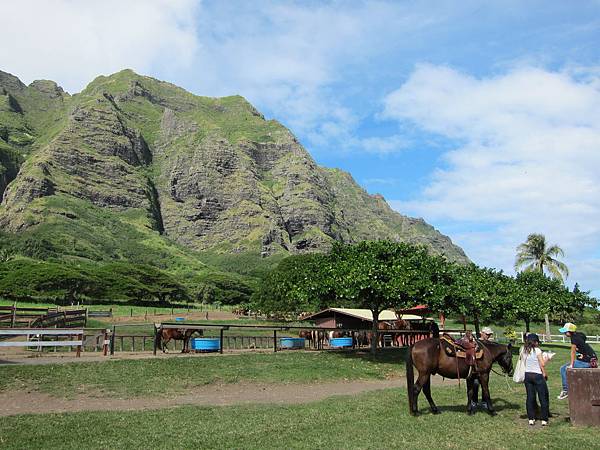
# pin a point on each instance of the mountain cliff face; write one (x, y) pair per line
(136, 168)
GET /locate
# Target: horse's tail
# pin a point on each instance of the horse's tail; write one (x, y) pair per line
(410, 378)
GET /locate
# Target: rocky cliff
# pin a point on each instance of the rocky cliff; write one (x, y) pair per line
(133, 165)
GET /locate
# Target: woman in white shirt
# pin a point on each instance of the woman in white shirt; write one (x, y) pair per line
(535, 379)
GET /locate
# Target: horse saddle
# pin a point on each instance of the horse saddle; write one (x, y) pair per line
(461, 348)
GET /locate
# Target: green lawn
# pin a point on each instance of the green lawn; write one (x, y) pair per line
(373, 420)
(162, 376)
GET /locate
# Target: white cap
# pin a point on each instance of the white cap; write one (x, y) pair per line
(487, 330)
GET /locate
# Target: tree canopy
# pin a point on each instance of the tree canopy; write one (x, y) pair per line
(380, 275)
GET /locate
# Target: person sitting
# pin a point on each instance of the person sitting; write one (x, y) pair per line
(582, 355)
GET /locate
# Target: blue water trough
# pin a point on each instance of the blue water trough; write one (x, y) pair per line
(341, 342)
(291, 343)
(206, 344)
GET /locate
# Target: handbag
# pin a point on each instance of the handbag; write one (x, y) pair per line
(519, 374)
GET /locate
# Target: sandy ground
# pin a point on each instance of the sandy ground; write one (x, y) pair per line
(33, 402)
(26, 402)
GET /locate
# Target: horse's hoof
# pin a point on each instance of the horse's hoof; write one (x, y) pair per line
(471, 412)
(492, 413)
(414, 413)
(435, 411)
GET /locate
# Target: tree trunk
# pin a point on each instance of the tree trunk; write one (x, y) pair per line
(547, 320)
(476, 321)
(375, 339)
(527, 323)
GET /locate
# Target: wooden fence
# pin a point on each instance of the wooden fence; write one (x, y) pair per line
(11, 316)
(68, 318)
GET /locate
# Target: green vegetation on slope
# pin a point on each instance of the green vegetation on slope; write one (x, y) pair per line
(136, 170)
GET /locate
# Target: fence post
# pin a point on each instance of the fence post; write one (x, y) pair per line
(221, 341)
(80, 336)
(112, 340)
(105, 343)
(275, 340)
(155, 339)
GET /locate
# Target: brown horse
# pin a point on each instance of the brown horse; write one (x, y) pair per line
(429, 358)
(165, 335)
(401, 339)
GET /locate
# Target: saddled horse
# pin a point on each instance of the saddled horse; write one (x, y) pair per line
(429, 358)
(166, 335)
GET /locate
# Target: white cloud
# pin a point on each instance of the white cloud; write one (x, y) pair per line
(298, 59)
(526, 159)
(72, 42)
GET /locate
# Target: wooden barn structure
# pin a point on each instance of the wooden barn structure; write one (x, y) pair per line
(353, 318)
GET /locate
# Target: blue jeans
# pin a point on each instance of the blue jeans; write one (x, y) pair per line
(576, 365)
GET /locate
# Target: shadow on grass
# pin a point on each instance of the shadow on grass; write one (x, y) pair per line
(499, 405)
(6, 362)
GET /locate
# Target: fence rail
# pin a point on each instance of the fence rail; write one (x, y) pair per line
(34, 337)
(591, 339)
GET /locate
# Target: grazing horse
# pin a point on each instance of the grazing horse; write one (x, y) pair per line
(165, 335)
(429, 358)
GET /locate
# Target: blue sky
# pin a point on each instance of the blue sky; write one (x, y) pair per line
(481, 117)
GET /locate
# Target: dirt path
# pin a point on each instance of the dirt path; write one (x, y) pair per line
(19, 402)
(23, 402)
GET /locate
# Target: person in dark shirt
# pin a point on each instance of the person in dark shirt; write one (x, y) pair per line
(582, 355)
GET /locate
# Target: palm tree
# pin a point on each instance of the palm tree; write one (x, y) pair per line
(535, 255)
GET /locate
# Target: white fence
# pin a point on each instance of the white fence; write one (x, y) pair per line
(591, 339)
(560, 338)
(34, 337)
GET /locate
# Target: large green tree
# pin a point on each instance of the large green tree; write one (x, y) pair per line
(536, 255)
(300, 283)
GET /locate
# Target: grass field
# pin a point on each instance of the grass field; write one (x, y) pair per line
(121, 310)
(160, 376)
(371, 420)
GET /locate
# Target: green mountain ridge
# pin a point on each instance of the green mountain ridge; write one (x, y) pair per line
(136, 169)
